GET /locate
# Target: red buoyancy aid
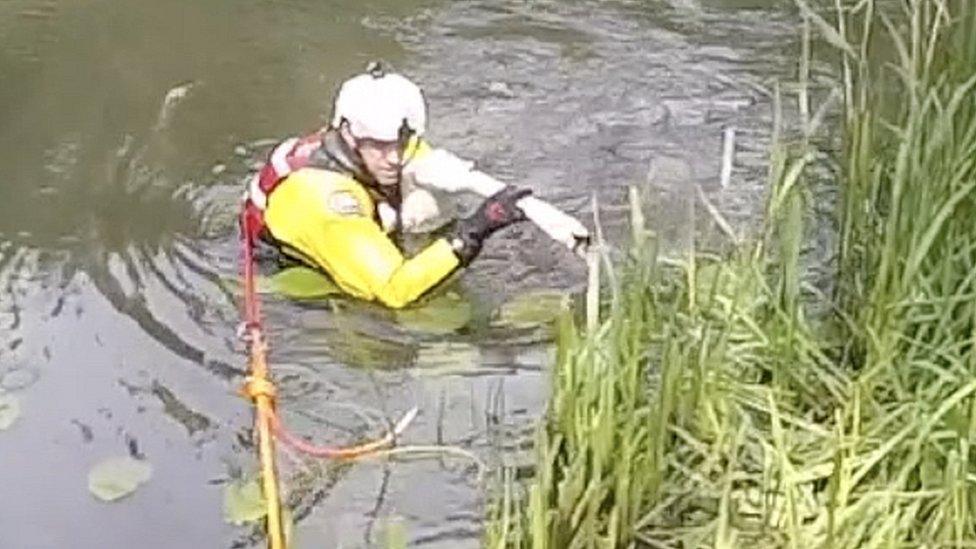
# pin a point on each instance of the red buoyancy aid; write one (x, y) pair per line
(286, 158)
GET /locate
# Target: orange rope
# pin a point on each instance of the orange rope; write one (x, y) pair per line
(344, 452)
(262, 391)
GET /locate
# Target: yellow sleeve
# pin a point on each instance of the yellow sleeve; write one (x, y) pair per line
(364, 262)
(322, 222)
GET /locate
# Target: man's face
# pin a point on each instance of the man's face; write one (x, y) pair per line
(382, 159)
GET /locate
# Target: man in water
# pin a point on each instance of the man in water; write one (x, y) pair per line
(334, 199)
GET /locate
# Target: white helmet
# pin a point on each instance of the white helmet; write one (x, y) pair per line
(378, 105)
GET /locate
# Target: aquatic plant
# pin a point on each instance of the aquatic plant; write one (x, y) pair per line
(732, 402)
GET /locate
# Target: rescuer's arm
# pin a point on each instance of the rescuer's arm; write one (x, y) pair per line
(364, 262)
(327, 220)
(360, 257)
(442, 170)
(331, 225)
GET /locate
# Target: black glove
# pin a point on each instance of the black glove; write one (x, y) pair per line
(496, 212)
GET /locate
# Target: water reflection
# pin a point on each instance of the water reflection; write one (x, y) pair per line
(125, 131)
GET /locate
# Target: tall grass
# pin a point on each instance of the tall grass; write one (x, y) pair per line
(908, 271)
(706, 409)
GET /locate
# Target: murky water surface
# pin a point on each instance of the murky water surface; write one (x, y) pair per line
(125, 132)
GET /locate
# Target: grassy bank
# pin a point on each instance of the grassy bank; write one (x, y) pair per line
(711, 406)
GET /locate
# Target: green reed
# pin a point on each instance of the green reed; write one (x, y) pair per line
(711, 406)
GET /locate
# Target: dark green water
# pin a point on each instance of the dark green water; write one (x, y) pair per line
(117, 243)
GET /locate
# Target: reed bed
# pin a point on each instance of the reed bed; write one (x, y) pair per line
(715, 404)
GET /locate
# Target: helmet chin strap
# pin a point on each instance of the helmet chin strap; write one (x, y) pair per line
(403, 136)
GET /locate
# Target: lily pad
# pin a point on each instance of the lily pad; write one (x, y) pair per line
(9, 411)
(18, 379)
(533, 309)
(117, 477)
(447, 357)
(441, 315)
(394, 533)
(244, 502)
(361, 342)
(301, 283)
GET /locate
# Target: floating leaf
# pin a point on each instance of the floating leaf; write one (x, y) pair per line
(533, 309)
(9, 411)
(441, 315)
(117, 477)
(243, 502)
(447, 357)
(18, 379)
(394, 533)
(301, 283)
(354, 341)
(230, 284)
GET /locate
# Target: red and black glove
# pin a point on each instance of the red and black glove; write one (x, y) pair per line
(496, 212)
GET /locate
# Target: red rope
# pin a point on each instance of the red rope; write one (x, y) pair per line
(251, 306)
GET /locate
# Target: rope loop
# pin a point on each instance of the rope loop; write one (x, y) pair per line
(255, 387)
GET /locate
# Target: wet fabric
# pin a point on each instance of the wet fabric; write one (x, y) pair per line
(328, 218)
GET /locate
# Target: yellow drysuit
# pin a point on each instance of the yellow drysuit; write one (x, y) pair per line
(328, 218)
